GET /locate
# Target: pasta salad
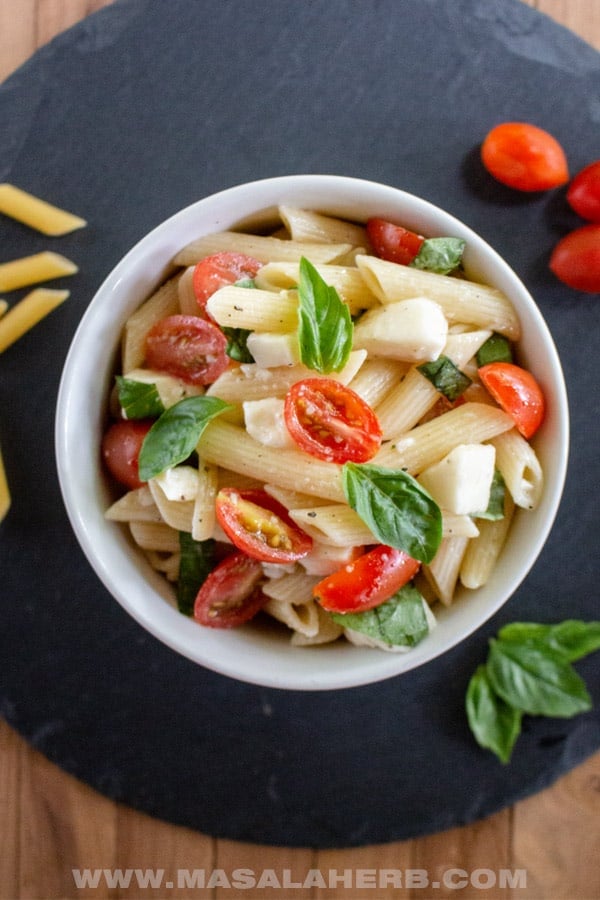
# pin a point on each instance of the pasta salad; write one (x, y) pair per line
(324, 425)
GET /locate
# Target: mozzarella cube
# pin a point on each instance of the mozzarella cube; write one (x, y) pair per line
(269, 349)
(461, 481)
(179, 483)
(414, 330)
(265, 422)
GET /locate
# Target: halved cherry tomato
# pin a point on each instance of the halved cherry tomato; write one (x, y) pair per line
(121, 446)
(260, 526)
(583, 193)
(187, 347)
(524, 157)
(517, 392)
(576, 259)
(231, 595)
(368, 582)
(214, 272)
(331, 421)
(393, 242)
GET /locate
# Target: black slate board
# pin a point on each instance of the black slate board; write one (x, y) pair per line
(139, 110)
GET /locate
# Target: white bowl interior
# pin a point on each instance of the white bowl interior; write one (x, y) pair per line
(264, 655)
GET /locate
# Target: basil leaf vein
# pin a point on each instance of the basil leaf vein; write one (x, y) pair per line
(325, 326)
(175, 434)
(395, 507)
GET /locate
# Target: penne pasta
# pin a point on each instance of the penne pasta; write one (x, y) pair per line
(442, 572)
(3, 307)
(471, 423)
(254, 310)
(265, 249)
(28, 270)
(135, 506)
(338, 525)
(188, 305)
(482, 553)
(517, 461)
(306, 225)
(28, 312)
(4, 489)
(461, 300)
(204, 518)
(156, 536)
(164, 302)
(36, 213)
(347, 281)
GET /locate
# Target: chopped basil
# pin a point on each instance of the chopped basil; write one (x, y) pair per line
(401, 621)
(441, 255)
(138, 399)
(245, 283)
(528, 670)
(495, 507)
(494, 723)
(399, 512)
(175, 434)
(237, 344)
(325, 326)
(496, 349)
(197, 561)
(445, 377)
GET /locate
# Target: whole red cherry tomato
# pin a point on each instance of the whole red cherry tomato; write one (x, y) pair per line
(576, 259)
(583, 194)
(524, 157)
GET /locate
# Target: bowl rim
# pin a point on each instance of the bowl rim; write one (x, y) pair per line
(241, 663)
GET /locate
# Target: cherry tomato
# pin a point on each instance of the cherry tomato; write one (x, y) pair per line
(517, 392)
(393, 242)
(121, 446)
(576, 259)
(260, 526)
(583, 193)
(524, 157)
(187, 347)
(368, 582)
(231, 595)
(214, 272)
(331, 422)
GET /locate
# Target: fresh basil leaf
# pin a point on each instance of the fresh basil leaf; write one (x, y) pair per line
(400, 621)
(138, 399)
(399, 512)
(237, 344)
(536, 679)
(495, 507)
(445, 377)
(572, 638)
(441, 255)
(325, 327)
(496, 349)
(495, 725)
(245, 283)
(197, 562)
(175, 434)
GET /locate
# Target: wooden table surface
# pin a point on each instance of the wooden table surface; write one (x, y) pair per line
(50, 823)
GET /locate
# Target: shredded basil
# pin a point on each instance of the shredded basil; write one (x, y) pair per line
(237, 344)
(441, 255)
(138, 399)
(399, 512)
(497, 348)
(325, 326)
(175, 434)
(495, 507)
(197, 561)
(400, 621)
(446, 377)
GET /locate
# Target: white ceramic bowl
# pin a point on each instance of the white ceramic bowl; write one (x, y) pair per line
(250, 653)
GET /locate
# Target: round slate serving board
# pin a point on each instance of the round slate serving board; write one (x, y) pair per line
(139, 110)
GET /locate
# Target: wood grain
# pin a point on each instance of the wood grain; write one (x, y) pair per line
(50, 823)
